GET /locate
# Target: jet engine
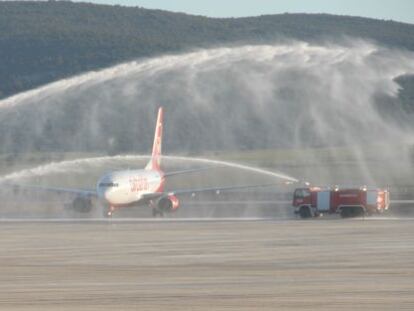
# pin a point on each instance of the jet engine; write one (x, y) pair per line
(168, 204)
(82, 204)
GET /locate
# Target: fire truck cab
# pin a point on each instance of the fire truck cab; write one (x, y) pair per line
(348, 202)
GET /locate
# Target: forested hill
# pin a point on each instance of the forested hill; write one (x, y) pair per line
(45, 41)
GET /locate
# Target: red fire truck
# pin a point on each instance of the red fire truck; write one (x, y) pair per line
(348, 202)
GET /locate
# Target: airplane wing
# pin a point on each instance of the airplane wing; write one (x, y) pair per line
(220, 189)
(401, 201)
(194, 170)
(59, 190)
(157, 195)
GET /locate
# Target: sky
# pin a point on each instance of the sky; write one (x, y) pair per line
(398, 10)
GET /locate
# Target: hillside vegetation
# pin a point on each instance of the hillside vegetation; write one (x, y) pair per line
(44, 41)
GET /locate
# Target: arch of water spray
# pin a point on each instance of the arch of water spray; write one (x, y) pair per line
(80, 165)
(284, 95)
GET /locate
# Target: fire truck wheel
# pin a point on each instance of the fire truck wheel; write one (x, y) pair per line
(345, 212)
(305, 212)
(359, 211)
(352, 211)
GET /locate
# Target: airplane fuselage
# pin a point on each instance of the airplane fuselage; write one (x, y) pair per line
(123, 188)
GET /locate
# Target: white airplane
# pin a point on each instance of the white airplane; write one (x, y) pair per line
(128, 188)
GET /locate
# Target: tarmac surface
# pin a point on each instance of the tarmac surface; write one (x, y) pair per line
(196, 264)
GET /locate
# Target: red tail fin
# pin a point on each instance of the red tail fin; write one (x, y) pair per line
(155, 162)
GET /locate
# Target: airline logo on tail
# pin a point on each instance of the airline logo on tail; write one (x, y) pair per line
(155, 161)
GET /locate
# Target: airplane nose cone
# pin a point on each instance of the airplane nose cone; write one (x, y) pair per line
(108, 194)
(105, 188)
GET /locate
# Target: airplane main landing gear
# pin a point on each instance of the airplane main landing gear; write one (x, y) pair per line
(156, 212)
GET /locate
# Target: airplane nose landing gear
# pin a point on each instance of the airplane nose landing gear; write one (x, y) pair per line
(108, 211)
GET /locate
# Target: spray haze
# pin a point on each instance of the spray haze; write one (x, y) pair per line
(294, 95)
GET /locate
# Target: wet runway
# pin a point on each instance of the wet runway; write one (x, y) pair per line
(205, 264)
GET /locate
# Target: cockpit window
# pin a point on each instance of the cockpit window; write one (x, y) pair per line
(108, 185)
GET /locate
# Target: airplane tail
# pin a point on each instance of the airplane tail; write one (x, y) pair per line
(155, 161)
